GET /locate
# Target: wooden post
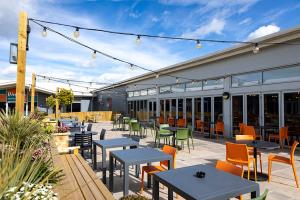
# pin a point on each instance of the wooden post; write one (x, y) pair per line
(56, 104)
(21, 70)
(32, 92)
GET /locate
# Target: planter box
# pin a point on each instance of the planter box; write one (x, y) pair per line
(61, 141)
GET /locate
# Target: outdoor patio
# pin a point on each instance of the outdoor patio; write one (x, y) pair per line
(206, 151)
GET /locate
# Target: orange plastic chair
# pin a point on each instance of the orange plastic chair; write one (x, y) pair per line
(161, 167)
(200, 126)
(181, 123)
(242, 128)
(250, 149)
(238, 154)
(230, 168)
(281, 137)
(161, 120)
(219, 129)
(285, 160)
(171, 121)
(249, 130)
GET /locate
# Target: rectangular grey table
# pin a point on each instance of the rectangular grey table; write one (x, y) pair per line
(217, 185)
(135, 157)
(110, 143)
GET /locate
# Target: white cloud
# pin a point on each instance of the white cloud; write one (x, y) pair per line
(263, 31)
(245, 21)
(214, 26)
(57, 57)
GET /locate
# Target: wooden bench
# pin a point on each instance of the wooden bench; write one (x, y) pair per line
(80, 181)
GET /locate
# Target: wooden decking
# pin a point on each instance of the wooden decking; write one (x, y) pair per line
(79, 182)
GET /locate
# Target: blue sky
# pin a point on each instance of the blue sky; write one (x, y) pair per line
(214, 19)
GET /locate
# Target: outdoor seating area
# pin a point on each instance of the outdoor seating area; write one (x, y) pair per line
(170, 164)
(119, 106)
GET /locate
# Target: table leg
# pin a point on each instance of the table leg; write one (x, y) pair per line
(111, 173)
(173, 140)
(253, 195)
(95, 157)
(170, 191)
(255, 157)
(126, 180)
(137, 171)
(104, 165)
(155, 190)
(148, 178)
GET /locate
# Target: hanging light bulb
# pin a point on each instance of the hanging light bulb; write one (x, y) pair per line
(177, 80)
(157, 76)
(76, 33)
(94, 54)
(256, 49)
(138, 40)
(198, 44)
(44, 33)
(131, 67)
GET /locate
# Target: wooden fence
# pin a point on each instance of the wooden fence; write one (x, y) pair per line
(95, 116)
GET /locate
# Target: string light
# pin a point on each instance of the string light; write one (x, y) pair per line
(44, 33)
(177, 80)
(94, 54)
(157, 76)
(139, 36)
(138, 40)
(76, 33)
(198, 44)
(256, 49)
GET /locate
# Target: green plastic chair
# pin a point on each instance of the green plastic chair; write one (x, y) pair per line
(182, 135)
(136, 128)
(263, 196)
(191, 134)
(162, 133)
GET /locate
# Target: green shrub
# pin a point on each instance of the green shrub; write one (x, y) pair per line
(26, 130)
(134, 197)
(24, 163)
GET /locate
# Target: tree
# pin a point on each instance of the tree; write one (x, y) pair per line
(65, 96)
(50, 101)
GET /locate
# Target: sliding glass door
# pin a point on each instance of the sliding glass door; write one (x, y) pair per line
(237, 113)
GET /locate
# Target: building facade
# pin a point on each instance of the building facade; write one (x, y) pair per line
(81, 103)
(235, 86)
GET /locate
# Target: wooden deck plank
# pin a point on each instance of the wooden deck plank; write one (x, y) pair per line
(88, 180)
(107, 195)
(67, 187)
(87, 193)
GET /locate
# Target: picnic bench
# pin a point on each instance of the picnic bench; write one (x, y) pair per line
(79, 181)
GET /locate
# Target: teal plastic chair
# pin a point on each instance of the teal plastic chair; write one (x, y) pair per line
(191, 134)
(263, 196)
(182, 135)
(162, 133)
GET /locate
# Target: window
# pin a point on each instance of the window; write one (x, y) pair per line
(194, 86)
(136, 93)
(165, 89)
(144, 92)
(281, 75)
(246, 79)
(152, 91)
(213, 84)
(292, 112)
(130, 94)
(178, 88)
